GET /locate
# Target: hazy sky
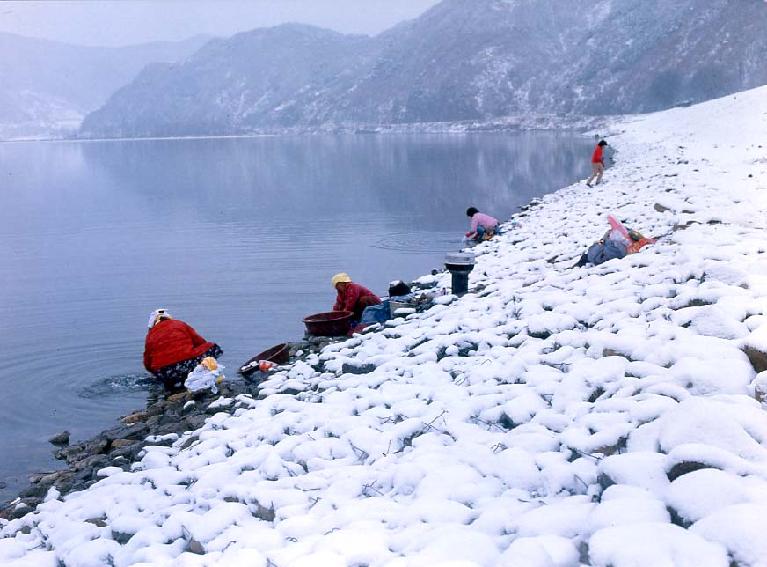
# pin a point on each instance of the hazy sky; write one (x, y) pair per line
(123, 22)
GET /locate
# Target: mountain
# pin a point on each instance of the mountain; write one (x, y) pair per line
(460, 60)
(49, 85)
(237, 84)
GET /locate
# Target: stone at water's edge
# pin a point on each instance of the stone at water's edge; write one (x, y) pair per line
(60, 438)
(118, 446)
(121, 445)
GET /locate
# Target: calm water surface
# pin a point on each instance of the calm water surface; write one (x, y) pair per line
(238, 237)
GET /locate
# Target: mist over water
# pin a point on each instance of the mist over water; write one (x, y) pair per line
(237, 237)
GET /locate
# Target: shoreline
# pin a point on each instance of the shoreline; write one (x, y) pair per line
(515, 123)
(556, 415)
(163, 420)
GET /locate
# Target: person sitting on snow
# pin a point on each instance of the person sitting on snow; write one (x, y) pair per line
(482, 227)
(616, 243)
(352, 296)
(173, 349)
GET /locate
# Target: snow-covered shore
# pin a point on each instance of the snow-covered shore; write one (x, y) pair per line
(555, 417)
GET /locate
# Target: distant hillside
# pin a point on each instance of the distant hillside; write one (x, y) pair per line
(47, 85)
(237, 84)
(460, 60)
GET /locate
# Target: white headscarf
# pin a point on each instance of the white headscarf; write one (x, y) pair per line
(155, 316)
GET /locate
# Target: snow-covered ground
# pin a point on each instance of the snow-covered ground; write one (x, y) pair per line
(600, 416)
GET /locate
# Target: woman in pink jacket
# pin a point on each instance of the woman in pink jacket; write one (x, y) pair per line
(482, 226)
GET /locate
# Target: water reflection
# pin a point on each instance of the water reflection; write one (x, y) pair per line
(337, 176)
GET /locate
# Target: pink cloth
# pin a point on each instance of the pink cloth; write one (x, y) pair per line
(482, 219)
(618, 232)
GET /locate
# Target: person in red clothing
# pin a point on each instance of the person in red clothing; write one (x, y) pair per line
(173, 348)
(352, 296)
(597, 164)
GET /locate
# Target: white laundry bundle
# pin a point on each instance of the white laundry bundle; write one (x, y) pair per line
(205, 376)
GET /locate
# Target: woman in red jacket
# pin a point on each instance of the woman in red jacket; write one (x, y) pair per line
(352, 296)
(173, 348)
(597, 164)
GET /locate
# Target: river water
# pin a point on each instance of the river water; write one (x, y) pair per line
(237, 237)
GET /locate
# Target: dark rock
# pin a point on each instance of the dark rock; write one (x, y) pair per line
(98, 522)
(35, 491)
(506, 422)
(757, 358)
(195, 547)
(121, 537)
(263, 513)
(91, 464)
(60, 438)
(683, 468)
(676, 519)
(583, 552)
(660, 208)
(120, 443)
(192, 422)
(128, 452)
(135, 417)
(598, 391)
(604, 481)
(540, 334)
(137, 431)
(20, 508)
(290, 391)
(357, 368)
(166, 428)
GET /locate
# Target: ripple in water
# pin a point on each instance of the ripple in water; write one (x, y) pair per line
(118, 385)
(415, 243)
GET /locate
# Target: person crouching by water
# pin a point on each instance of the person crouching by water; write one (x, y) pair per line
(173, 348)
(482, 227)
(352, 296)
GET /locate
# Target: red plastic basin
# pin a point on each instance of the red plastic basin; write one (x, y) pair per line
(332, 324)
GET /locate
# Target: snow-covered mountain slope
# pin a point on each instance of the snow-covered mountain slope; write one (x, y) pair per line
(49, 86)
(230, 85)
(554, 416)
(460, 60)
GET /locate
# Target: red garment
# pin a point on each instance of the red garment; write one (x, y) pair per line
(598, 157)
(637, 245)
(355, 297)
(171, 341)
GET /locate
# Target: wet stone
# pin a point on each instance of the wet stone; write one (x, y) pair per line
(119, 443)
(135, 417)
(60, 438)
(35, 491)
